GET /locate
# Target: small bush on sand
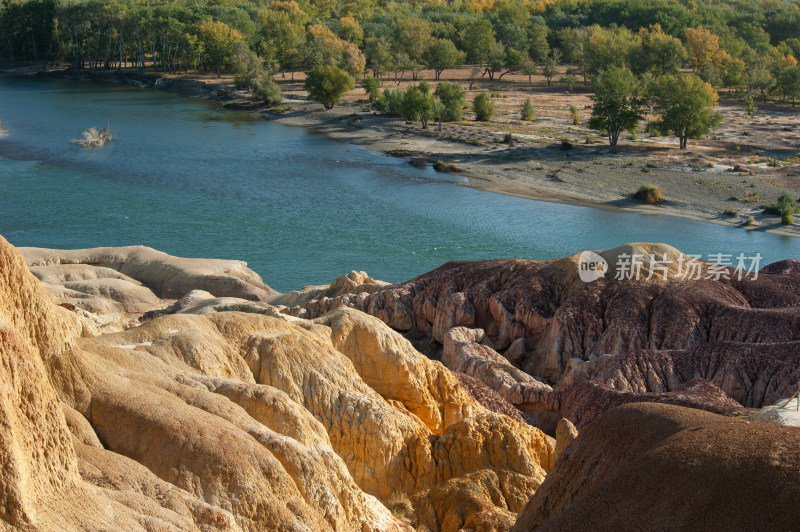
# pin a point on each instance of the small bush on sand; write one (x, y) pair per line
(483, 107)
(441, 166)
(649, 194)
(528, 112)
(786, 207)
(576, 118)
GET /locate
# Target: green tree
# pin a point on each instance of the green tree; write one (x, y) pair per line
(477, 38)
(378, 53)
(685, 105)
(529, 68)
(618, 104)
(550, 67)
(496, 60)
(453, 98)
(514, 61)
(483, 106)
(789, 82)
(418, 103)
(443, 54)
(327, 83)
(283, 35)
(760, 79)
(656, 52)
(414, 38)
(245, 64)
(538, 48)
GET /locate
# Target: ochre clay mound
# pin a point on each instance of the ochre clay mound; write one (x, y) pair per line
(662, 467)
(242, 421)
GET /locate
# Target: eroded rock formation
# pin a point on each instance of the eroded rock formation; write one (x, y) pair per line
(241, 421)
(648, 335)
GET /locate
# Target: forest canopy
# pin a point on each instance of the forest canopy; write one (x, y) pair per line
(746, 46)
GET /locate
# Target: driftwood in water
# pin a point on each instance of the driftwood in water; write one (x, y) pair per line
(94, 138)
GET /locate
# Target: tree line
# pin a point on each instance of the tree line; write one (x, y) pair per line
(748, 47)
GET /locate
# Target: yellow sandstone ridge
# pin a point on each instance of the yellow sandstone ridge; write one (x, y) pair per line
(243, 421)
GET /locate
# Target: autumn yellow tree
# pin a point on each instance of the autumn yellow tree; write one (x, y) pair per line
(219, 43)
(703, 48)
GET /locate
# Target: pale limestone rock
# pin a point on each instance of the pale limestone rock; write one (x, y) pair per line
(352, 283)
(168, 276)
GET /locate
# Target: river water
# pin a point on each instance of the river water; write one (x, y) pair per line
(191, 179)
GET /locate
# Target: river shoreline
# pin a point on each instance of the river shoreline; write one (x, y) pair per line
(699, 184)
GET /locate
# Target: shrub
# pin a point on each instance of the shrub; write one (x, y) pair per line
(418, 103)
(528, 112)
(441, 166)
(400, 506)
(569, 79)
(649, 194)
(394, 101)
(483, 106)
(453, 98)
(750, 106)
(576, 118)
(750, 221)
(373, 88)
(729, 212)
(786, 205)
(787, 218)
(267, 90)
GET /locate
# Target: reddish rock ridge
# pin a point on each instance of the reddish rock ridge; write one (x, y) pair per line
(583, 402)
(754, 374)
(652, 466)
(561, 318)
(489, 398)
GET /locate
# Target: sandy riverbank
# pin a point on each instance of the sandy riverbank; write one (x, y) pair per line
(700, 183)
(723, 180)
